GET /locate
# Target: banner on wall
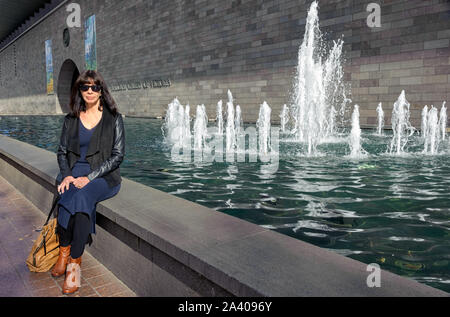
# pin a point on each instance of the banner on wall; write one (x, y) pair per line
(49, 66)
(89, 44)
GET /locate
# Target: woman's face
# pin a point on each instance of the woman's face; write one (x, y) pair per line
(92, 94)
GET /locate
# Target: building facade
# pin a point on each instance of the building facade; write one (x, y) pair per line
(150, 52)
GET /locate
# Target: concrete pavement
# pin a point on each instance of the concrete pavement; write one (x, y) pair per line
(19, 220)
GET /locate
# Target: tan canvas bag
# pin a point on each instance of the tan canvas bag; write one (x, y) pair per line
(45, 250)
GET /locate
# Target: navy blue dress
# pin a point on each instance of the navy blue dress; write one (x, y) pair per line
(84, 199)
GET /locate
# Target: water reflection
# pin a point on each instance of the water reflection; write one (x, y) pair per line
(390, 210)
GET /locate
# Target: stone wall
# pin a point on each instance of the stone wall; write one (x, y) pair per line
(247, 46)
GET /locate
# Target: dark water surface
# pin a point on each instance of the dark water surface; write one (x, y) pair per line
(385, 209)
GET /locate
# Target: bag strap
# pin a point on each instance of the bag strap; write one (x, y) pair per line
(56, 198)
(55, 201)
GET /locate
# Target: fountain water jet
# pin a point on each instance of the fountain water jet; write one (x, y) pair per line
(432, 135)
(423, 125)
(177, 123)
(219, 118)
(318, 103)
(200, 128)
(263, 126)
(443, 120)
(284, 117)
(318, 87)
(355, 135)
(238, 122)
(187, 124)
(380, 114)
(230, 128)
(401, 127)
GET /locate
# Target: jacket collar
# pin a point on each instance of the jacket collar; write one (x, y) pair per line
(95, 139)
(74, 142)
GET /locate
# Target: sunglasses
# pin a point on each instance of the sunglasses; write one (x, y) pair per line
(95, 88)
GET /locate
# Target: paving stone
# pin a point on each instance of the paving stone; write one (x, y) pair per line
(111, 289)
(54, 291)
(18, 220)
(100, 280)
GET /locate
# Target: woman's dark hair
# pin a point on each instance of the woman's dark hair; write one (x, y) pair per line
(77, 103)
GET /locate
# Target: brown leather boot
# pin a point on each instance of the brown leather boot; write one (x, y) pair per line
(60, 266)
(73, 276)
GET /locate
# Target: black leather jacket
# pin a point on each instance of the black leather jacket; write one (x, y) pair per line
(105, 152)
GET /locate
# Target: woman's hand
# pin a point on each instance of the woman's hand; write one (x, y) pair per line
(65, 184)
(80, 182)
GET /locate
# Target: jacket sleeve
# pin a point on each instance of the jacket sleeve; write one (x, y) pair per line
(117, 153)
(62, 151)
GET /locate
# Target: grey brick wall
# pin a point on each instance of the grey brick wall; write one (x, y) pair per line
(247, 46)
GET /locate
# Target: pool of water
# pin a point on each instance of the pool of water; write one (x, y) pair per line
(385, 209)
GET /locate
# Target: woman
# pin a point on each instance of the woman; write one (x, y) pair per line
(91, 148)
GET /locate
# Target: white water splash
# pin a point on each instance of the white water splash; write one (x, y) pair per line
(230, 128)
(380, 114)
(424, 122)
(219, 118)
(263, 126)
(177, 124)
(319, 86)
(432, 135)
(443, 120)
(355, 135)
(401, 127)
(284, 117)
(200, 128)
